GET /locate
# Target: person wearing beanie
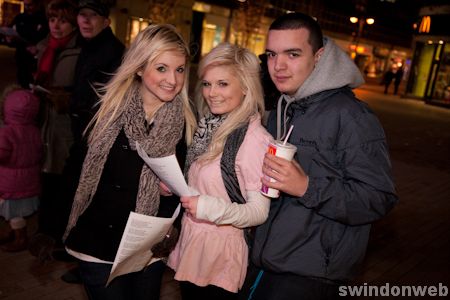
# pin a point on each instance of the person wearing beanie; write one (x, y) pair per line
(31, 27)
(100, 7)
(101, 54)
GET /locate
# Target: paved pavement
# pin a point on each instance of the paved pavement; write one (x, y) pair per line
(417, 133)
(411, 245)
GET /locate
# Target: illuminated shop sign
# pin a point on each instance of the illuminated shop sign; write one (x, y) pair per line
(425, 24)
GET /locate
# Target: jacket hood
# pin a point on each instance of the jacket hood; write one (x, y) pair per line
(334, 70)
(21, 107)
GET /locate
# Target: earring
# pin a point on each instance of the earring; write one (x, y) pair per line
(139, 73)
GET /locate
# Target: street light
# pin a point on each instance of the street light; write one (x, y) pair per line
(361, 22)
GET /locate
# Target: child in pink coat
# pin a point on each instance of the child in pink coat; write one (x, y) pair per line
(20, 162)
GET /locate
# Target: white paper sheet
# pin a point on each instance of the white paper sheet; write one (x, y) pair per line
(168, 170)
(140, 235)
(39, 88)
(143, 232)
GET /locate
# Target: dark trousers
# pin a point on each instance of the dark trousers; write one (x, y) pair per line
(58, 191)
(142, 285)
(396, 88)
(190, 291)
(386, 86)
(272, 286)
(53, 210)
(26, 65)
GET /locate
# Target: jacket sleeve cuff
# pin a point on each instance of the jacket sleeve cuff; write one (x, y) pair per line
(224, 212)
(210, 208)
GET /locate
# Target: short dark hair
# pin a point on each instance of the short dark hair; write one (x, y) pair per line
(298, 20)
(63, 9)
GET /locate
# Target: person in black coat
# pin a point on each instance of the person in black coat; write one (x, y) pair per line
(397, 80)
(31, 27)
(271, 94)
(101, 54)
(388, 77)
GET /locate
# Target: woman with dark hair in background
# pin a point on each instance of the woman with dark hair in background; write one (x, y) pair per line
(57, 56)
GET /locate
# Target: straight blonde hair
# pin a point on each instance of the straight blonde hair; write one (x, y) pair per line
(245, 66)
(147, 47)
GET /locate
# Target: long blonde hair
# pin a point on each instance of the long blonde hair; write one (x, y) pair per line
(148, 45)
(245, 66)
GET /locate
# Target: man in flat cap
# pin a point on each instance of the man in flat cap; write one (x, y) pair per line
(101, 54)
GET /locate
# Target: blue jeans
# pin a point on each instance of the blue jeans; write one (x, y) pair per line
(145, 284)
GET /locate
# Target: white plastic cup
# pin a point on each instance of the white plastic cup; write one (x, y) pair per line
(286, 151)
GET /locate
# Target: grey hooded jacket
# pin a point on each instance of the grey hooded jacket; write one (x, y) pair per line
(342, 148)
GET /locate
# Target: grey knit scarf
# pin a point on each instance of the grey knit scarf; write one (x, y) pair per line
(206, 128)
(159, 140)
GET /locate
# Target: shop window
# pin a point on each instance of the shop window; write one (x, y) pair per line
(212, 36)
(8, 10)
(217, 28)
(441, 90)
(214, 31)
(135, 25)
(422, 69)
(257, 43)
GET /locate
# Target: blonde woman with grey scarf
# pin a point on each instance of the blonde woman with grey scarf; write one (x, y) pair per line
(143, 103)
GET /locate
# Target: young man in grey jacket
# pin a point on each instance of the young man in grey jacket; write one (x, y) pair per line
(338, 183)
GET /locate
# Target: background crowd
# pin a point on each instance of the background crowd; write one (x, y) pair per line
(73, 51)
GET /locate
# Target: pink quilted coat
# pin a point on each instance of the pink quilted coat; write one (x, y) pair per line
(20, 147)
